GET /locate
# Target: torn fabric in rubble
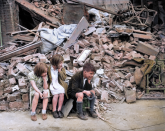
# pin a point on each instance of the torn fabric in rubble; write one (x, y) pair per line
(56, 36)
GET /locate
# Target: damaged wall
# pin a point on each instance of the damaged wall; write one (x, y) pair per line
(8, 17)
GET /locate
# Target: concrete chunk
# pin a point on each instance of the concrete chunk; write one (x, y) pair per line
(130, 95)
(104, 96)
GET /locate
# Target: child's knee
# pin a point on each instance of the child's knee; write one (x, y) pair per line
(36, 95)
(45, 94)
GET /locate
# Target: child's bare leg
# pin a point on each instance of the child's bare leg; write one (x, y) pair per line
(54, 102)
(45, 101)
(35, 101)
(60, 102)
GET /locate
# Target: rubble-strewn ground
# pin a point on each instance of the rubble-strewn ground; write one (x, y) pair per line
(140, 116)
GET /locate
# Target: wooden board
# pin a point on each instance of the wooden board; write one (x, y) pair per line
(83, 24)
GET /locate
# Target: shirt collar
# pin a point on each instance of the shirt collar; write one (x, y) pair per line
(52, 68)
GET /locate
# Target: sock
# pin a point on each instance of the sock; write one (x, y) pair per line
(43, 111)
(33, 113)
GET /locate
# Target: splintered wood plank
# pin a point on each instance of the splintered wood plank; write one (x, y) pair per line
(148, 37)
(19, 51)
(39, 13)
(24, 38)
(83, 24)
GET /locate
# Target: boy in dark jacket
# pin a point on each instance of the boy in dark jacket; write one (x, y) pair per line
(80, 85)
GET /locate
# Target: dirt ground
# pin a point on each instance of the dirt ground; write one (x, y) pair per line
(140, 116)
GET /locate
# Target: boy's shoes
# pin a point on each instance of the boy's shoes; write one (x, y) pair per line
(44, 116)
(82, 116)
(93, 114)
(55, 114)
(60, 114)
(85, 113)
(33, 117)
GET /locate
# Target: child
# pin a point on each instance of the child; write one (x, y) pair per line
(38, 79)
(57, 86)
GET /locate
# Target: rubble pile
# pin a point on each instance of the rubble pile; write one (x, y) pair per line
(118, 52)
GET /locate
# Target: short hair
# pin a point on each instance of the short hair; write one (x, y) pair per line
(40, 68)
(56, 60)
(89, 67)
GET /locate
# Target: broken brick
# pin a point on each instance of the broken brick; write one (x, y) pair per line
(3, 108)
(75, 63)
(28, 57)
(81, 44)
(16, 105)
(97, 58)
(128, 84)
(8, 90)
(22, 82)
(17, 59)
(42, 58)
(116, 76)
(152, 57)
(105, 47)
(66, 58)
(97, 91)
(12, 81)
(26, 105)
(11, 98)
(92, 40)
(112, 84)
(132, 79)
(104, 96)
(22, 68)
(128, 76)
(110, 46)
(1, 92)
(25, 97)
(86, 43)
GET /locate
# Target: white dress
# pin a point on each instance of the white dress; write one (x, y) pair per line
(55, 87)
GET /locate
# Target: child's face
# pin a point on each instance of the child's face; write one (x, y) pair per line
(44, 74)
(60, 65)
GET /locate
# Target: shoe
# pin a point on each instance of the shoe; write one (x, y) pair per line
(55, 114)
(85, 113)
(44, 116)
(93, 114)
(33, 117)
(82, 116)
(60, 114)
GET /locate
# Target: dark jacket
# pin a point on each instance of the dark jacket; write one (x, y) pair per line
(76, 84)
(61, 79)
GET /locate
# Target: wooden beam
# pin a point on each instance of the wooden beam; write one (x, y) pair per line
(32, 10)
(19, 51)
(83, 24)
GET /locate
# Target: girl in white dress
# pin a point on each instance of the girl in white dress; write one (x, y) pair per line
(57, 84)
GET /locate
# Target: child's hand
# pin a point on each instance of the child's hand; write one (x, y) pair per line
(59, 70)
(41, 95)
(44, 77)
